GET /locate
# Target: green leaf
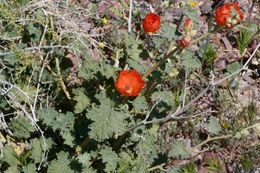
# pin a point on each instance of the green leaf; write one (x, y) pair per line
(68, 138)
(208, 53)
(30, 168)
(134, 52)
(247, 163)
(61, 164)
(132, 46)
(192, 13)
(140, 104)
(213, 126)
(11, 59)
(110, 158)
(59, 121)
(108, 70)
(179, 149)
(88, 170)
(189, 168)
(84, 160)
(175, 170)
(147, 147)
(158, 42)
(23, 2)
(56, 120)
(21, 127)
(106, 121)
(245, 37)
(81, 98)
(12, 169)
(213, 165)
(168, 30)
(166, 99)
(231, 68)
(89, 68)
(125, 162)
(34, 32)
(36, 150)
(10, 156)
(140, 165)
(189, 61)
(138, 65)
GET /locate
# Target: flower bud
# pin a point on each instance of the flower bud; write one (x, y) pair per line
(184, 42)
(188, 25)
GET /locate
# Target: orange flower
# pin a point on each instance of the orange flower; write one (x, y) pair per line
(129, 83)
(151, 22)
(224, 14)
(184, 42)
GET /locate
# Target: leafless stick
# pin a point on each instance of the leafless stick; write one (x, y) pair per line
(185, 89)
(63, 86)
(130, 15)
(34, 48)
(38, 85)
(149, 112)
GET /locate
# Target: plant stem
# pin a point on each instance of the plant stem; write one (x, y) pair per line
(167, 56)
(222, 137)
(211, 139)
(156, 167)
(62, 84)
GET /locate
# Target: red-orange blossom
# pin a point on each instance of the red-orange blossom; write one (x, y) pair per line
(129, 83)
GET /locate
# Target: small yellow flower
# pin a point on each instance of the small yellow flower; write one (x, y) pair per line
(101, 45)
(193, 4)
(104, 21)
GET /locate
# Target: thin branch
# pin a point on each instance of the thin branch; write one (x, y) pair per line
(167, 56)
(38, 85)
(130, 16)
(149, 112)
(33, 48)
(185, 89)
(62, 84)
(209, 139)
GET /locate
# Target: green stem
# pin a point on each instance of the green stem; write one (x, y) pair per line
(211, 139)
(150, 70)
(156, 167)
(62, 84)
(222, 137)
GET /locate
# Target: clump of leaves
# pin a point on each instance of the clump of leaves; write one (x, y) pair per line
(245, 36)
